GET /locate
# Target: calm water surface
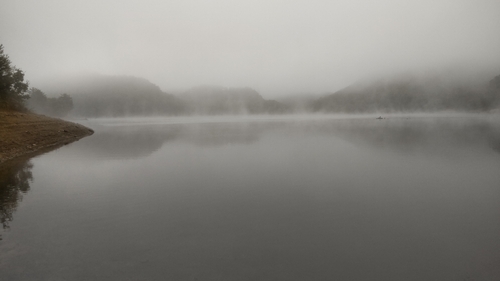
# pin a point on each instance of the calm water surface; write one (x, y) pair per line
(259, 199)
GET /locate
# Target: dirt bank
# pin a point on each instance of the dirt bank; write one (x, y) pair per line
(27, 133)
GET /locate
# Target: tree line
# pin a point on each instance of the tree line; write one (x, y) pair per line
(15, 93)
(40, 103)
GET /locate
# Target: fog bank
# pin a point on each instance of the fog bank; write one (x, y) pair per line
(275, 47)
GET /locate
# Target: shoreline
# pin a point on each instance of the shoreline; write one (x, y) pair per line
(26, 133)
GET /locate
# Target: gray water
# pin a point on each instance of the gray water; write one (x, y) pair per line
(323, 198)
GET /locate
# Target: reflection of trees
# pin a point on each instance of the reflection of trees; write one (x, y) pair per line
(220, 134)
(402, 134)
(15, 180)
(128, 142)
(434, 135)
(125, 143)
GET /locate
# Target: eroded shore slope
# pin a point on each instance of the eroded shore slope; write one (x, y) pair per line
(23, 133)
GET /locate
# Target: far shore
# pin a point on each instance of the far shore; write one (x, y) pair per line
(26, 133)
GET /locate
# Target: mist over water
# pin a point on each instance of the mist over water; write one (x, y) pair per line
(263, 198)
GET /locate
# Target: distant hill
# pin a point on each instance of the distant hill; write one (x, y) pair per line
(112, 96)
(96, 95)
(215, 100)
(413, 93)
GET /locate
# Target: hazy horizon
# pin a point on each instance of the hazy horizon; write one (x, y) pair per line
(275, 47)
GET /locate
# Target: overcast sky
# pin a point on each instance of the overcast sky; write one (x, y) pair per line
(276, 47)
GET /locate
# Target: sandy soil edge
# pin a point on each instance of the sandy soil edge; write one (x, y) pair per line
(24, 133)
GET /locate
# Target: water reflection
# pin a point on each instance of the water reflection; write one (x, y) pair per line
(437, 136)
(129, 142)
(399, 134)
(327, 199)
(124, 143)
(440, 137)
(15, 178)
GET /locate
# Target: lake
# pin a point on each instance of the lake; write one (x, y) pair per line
(263, 198)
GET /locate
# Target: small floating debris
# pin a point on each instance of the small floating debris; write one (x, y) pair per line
(379, 118)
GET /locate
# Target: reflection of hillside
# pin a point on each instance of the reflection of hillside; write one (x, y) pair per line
(422, 135)
(15, 177)
(404, 135)
(220, 134)
(125, 142)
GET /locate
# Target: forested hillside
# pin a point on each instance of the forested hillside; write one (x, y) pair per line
(114, 96)
(213, 100)
(410, 94)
